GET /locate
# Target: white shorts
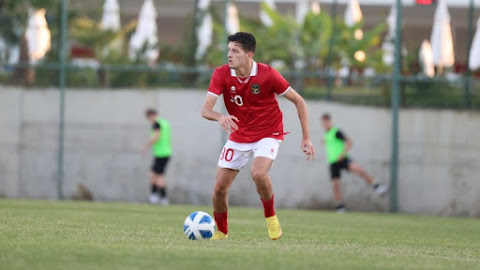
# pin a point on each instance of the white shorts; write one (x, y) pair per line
(236, 155)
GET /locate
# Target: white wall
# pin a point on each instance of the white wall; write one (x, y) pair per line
(105, 130)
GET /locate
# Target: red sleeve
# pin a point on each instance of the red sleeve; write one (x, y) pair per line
(216, 83)
(280, 85)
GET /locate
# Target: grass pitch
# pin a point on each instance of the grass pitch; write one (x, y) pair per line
(79, 235)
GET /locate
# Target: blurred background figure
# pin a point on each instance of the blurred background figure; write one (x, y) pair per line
(160, 142)
(337, 146)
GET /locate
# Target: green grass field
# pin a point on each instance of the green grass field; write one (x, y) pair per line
(80, 235)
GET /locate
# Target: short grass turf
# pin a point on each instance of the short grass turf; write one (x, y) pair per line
(82, 235)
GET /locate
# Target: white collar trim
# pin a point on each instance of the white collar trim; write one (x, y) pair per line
(253, 72)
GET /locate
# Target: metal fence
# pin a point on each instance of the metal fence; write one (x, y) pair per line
(459, 91)
(415, 91)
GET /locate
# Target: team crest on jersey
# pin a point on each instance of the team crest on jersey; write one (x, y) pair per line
(233, 89)
(255, 88)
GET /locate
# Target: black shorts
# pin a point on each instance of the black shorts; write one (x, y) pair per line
(159, 164)
(337, 167)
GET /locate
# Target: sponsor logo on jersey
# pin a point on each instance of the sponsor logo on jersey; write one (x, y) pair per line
(233, 89)
(255, 88)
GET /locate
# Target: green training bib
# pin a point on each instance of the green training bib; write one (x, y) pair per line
(334, 145)
(163, 146)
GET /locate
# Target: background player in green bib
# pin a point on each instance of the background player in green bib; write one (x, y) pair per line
(337, 146)
(160, 142)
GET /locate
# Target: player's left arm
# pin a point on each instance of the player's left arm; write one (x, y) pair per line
(301, 105)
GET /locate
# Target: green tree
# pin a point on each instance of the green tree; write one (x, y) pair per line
(348, 45)
(289, 41)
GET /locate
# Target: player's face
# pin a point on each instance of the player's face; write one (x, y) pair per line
(237, 56)
(151, 118)
(326, 124)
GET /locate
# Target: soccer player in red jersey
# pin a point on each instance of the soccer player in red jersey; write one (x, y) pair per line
(255, 124)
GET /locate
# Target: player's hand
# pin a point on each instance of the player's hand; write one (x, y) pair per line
(307, 148)
(228, 123)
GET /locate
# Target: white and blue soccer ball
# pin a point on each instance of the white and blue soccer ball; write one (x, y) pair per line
(199, 225)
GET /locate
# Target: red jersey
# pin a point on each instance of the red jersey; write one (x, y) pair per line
(252, 100)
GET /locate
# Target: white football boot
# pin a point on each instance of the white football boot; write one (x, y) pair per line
(164, 201)
(381, 190)
(154, 199)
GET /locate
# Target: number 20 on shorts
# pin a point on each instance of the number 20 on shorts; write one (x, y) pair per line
(227, 154)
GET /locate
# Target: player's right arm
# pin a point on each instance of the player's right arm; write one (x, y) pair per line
(215, 89)
(226, 121)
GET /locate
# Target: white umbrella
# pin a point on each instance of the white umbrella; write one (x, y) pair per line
(426, 58)
(388, 47)
(232, 24)
(205, 31)
(266, 20)
(301, 10)
(315, 7)
(145, 33)
(111, 21)
(353, 14)
(392, 22)
(474, 58)
(111, 16)
(37, 34)
(441, 38)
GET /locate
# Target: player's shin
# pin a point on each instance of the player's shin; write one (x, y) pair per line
(221, 220)
(268, 207)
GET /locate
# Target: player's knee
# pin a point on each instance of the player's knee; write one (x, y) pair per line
(336, 184)
(258, 175)
(219, 191)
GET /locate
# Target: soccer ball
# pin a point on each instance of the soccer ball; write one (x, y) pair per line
(199, 225)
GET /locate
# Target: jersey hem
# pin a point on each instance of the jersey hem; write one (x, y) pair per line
(280, 138)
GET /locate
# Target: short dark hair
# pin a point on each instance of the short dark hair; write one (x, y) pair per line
(246, 40)
(326, 116)
(150, 112)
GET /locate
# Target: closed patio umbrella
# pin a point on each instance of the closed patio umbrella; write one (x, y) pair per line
(301, 10)
(145, 34)
(426, 59)
(37, 34)
(353, 15)
(232, 22)
(266, 20)
(474, 58)
(441, 38)
(205, 30)
(111, 16)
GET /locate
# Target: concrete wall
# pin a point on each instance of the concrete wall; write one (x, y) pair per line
(106, 129)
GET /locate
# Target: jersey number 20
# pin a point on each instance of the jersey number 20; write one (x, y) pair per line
(237, 99)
